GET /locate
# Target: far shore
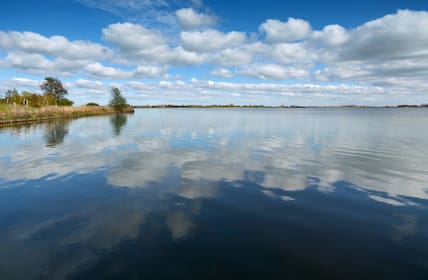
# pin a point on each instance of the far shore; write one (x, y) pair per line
(273, 107)
(11, 115)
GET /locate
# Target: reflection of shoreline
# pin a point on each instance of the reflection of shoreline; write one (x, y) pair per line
(55, 132)
(118, 122)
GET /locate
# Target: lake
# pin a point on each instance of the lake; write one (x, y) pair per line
(217, 194)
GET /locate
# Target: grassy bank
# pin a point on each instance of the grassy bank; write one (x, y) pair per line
(10, 114)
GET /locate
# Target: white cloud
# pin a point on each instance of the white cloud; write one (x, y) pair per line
(165, 84)
(398, 36)
(88, 84)
(211, 40)
(180, 56)
(277, 31)
(332, 35)
(246, 89)
(24, 82)
(19, 84)
(189, 19)
(101, 71)
(40, 65)
(133, 38)
(222, 72)
(56, 46)
(292, 53)
(389, 53)
(273, 72)
(138, 44)
(233, 57)
(242, 55)
(32, 63)
(149, 71)
(105, 72)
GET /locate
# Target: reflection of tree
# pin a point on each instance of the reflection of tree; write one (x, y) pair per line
(55, 132)
(118, 121)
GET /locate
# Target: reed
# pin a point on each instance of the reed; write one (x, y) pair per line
(11, 114)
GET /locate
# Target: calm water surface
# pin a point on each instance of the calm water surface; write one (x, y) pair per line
(217, 194)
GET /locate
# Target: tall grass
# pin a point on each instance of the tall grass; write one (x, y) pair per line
(13, 114)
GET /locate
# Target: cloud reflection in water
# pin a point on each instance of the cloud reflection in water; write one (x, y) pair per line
(173, 175)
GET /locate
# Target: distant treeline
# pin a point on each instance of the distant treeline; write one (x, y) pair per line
(281, 106)
(215, 106)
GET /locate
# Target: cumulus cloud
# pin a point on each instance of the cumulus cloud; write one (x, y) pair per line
(88, 84)
(277, 31)
(20, 83)
(210, 40)
(134, 41)
(222, 72)
(389, 53)
(100, 71)
(40, 65)
(133, 38)
(393, 46)
(189, 19)
(398, 36)
(233, 57)
(181, 56)
(287, 89)
(242, 55)
(55, 46)
(292, 53)
(32, 63)
(273, 72)
(332, 35)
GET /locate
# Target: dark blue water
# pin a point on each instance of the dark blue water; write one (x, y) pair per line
(217, 194)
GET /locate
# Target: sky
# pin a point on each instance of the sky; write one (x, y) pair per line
(219, 52)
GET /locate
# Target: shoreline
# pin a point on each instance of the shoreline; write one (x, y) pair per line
(275, 107)
(16, 115)
(20, 115)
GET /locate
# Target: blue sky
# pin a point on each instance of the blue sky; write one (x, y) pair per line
(220, 52)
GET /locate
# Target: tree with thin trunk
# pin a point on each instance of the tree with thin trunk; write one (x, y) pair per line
(117, 99)
(53, 87)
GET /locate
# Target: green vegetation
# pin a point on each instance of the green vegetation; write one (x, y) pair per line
(26, 98)
(53, 94)
(52, 104)
(53, 89)
(10, 114)
(117, 99)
